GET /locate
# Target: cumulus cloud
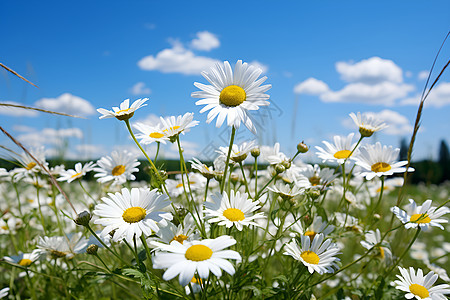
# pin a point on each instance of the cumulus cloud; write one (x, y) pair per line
(50, 136)
(438, 97)
(205, 41)
(140, 89)
(150, 119)
(264, 68)
(23, 128)
(311, 86)
(177, 60)
(371, 71)
(371, 81)
(397, 123)
(67, 103)
(422, 75)
(89, 151)
(15, 111)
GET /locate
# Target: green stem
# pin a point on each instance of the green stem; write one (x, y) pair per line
(404, 252)
(222, 184)
(245, 179)
(104, 245)
(158, 144)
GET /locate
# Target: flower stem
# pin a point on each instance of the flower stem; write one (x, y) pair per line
(222, 184)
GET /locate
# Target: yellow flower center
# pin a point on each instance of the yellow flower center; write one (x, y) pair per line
(311, 234)
(156, 135)
(420, 218)
(171, 128)
(380, 167)
(75, 175)
(310, 257)
(341, 154)
(179, 238)
(5, 227)
(232, 95)
(419, 290)
(197, 281)
(122, 111)
(382, 252)
(24, 262)
(134, 214)
(30, 166)
(198, 253)
(118, 170)
(233, 214)
(315, 180)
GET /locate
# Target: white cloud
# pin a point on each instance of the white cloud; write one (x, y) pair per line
(205, 41)
(50, 136)
(23, 128)
(150, 119)
(384, 93)
(67, 103)
(140, 89)
(438, 97)
(177, 60)
(371, 71)
(259, 65)
(89, 151)
(311, 86)
(398, 123)
(422, 75)
(15, 111)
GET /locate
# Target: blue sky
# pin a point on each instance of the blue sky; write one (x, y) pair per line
(361, 56)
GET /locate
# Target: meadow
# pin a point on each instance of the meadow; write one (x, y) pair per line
(253, 224)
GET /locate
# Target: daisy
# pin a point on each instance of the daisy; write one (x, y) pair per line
(339, 152)
(149, 134)
(317, 255)
(379, 161)
(80, 171)
(423, 216)
(367, 123)
(132, 213)
(24, 259)
(238, 153)
(176, 187)
(419, 286)
(207, 172)
(199, 257)
(182, 232)
(171, 126)
(273, 155)
(118, 167)
(4, 292)
(235, 209)
(124, 112)
(373, 238)
(29, 164)
(60, 246)
(316, 227)
(350, 223)
(286, 191)
(312, 176)
(232, 96)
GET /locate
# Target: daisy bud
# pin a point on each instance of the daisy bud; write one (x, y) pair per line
(286, 164)
(92, 249)
(83, 218)
(302, 147)
(255, 152)
(376, 216)
(280, 168)
(314, 194)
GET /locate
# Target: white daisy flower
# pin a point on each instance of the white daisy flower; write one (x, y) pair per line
(235, 209)
(171, 126)
(350, 223)
(367, 123)
(273, 155)
(24, 259)
(207, 172)
(132, 213)
(4, 292)
(29, 164)
(286, 191)
(232, 96)
(390, 184)
(175, 186)
(60, 246)
(378, 161)
(199, 257)
(80, 171)
(441, 272)
(338, 152)
(372, 238)
(149, 134)
(316, 227)
(423, 216)
(182, 232)
(124, 111)
(419, 286)
(313, 176)
(317, 255)
(118, 167)
(238, 152)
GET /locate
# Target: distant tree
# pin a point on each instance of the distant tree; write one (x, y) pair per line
(444, 160)
(403, 149)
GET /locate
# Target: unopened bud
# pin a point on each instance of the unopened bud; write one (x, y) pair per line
(255, 152)
(302, 147)
(280, 168)
(314, 194)
(286, 164)
(83, 218)
(92, 249)
(376, 216)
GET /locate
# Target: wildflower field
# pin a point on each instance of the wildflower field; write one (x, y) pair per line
(252, 224)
